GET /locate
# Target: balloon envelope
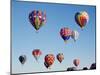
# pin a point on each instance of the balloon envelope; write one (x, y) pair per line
(60, 57)
(75, 35)
(22, 59)
(37, 18)
(36, 53)
(65, 33)
(49, 59)
(81, 18)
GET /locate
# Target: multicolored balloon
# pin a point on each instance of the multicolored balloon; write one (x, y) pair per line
(36, 53)
(49, 60)
(81, 18)
(75, 35)
(76, 62)
(65, 33)
(22, 59)
(37, 18)
(60, 57)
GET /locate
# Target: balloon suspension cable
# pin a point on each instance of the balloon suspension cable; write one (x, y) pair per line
(37, 60)
(74, 40)
(49, 67)
(82, 28)
(37, 31)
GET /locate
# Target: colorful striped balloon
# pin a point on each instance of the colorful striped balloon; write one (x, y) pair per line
(82, 18)
(65, 33)
(37, 18)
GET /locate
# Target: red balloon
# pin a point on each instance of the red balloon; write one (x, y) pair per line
(49, 59)
(36, 53)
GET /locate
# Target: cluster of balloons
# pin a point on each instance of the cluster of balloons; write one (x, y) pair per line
(81, 19)
(66, 33)
(76, 62)
(48, 59)
(38, 18)
(93, 66)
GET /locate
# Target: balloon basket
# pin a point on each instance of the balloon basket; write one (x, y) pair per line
(65, 42)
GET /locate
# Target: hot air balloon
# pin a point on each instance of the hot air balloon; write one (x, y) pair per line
(93, 66)
(75, 35)
(22, 59)
(65, 33)
(36, 53)
(81, 18)
(60, 57)
(85, 68)
(71, 69)
(37, 18)
(49, 60)
(76, 62)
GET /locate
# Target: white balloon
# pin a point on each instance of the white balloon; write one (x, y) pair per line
(75, 35)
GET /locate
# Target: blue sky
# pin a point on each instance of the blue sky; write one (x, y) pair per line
(48, 39)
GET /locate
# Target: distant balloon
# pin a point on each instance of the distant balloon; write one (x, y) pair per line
(22, 59)
(93, 66)
(65, 33)
(75, 35)
(85, 68)
(60, 57)
(81, 18)
(76, 62)
(37, 18)
(36, 53)
(72, 69)
(49, 60)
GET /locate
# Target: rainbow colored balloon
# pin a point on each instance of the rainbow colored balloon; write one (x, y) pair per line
(82, 18)
(37, 19)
